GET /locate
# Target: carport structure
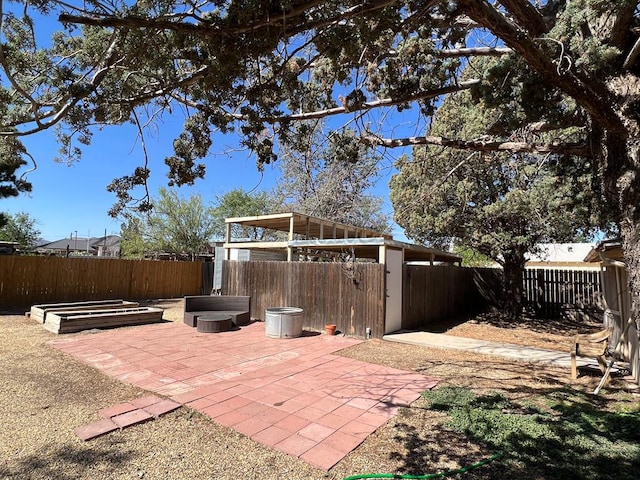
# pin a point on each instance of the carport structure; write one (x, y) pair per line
(305, 233)
(297, 236)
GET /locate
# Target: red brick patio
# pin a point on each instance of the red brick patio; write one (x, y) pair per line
(294, 394)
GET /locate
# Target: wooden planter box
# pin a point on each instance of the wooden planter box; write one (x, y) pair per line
(78, 320)
(39, 312)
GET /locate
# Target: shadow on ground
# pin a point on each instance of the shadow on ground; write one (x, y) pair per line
(79, 460)
(566, 325)
(557, 435)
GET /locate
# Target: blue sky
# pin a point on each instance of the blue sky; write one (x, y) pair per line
(69, 199)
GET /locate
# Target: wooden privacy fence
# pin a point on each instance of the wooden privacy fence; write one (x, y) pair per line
(552, 292)
(352, 298)
(434, 293)
(26, 280)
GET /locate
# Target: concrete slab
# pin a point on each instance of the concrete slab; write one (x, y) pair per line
(519, 353)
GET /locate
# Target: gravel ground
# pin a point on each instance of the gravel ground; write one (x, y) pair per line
(45, 395)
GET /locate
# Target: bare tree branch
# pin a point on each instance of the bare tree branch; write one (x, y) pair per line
(578, 148)
(632, 56)
(474, 52)
(544, 126)
(386, 102)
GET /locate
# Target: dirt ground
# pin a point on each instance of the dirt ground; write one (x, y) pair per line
(45, 395)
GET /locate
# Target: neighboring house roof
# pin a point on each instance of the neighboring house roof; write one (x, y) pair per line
(72, 243)
(81, 244)
(564, 253)
(108, 241)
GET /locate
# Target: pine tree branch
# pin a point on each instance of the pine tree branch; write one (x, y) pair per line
(289, 22)
(589, 93)
(14, 83)
(177, 22)
(526, 15)
(623, 22)
(69, 101)
(577, 148)
(133, 22)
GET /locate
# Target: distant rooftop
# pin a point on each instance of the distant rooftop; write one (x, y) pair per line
(561, 253)
(80, 243)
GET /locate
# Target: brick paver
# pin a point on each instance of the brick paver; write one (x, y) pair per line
(116, 410)
(294, 395)
(162, 407)
(93, 430)
(321, 456)
(271, 436)
(295, 445)
(145, 401)
(131, 418)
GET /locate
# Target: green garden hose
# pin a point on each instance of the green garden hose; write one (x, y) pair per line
(431, 475)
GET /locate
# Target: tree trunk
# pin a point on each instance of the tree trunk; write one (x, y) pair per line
(631, 247)
(630, 233)
(514, 261)
(622, 186)
(628, 184)
(620, 169)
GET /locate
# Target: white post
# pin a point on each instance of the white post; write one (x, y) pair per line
(289, 249)
(227, 240)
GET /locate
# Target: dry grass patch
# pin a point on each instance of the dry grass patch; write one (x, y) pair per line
(46, 394)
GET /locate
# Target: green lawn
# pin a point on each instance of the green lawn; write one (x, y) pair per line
(562, 434)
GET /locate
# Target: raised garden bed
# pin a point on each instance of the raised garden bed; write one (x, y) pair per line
(39, 312)
(78, 320)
